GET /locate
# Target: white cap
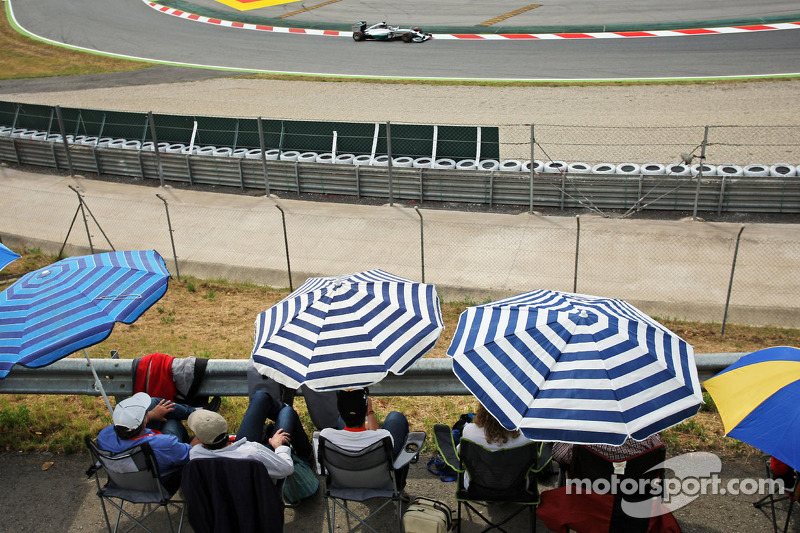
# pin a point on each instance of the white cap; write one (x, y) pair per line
(129, 413)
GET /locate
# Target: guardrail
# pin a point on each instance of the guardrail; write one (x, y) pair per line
(227, 377)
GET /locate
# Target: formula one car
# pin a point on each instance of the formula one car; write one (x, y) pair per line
(384, 32)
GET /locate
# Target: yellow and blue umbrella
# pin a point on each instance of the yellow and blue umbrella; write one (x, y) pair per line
(758, 398)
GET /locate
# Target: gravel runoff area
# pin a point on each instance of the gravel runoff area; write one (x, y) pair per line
(761, 103)
(59, 499)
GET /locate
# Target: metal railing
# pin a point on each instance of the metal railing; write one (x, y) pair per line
(228, 377)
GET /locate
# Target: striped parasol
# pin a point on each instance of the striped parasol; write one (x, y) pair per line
(347, 331)
(6, 256)
(575, 368)
(74, 303)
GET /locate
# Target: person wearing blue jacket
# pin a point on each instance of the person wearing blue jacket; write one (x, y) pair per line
(133, 420)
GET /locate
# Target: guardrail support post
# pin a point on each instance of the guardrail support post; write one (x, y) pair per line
(700, 173)
(389, 153)
(530, 192)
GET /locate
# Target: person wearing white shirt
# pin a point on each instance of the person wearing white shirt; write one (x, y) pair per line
(359, 426)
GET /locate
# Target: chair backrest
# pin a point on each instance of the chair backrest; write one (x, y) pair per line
(134, 470)
(589, 464)
(502, 475)
(230, 494)
(369, 468)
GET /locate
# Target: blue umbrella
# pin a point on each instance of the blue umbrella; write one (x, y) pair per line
(74, 303)
(758, 398)
(575, 368)
(347, 331)
(6, 256)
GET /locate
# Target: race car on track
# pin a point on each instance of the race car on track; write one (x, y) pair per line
(384, 32)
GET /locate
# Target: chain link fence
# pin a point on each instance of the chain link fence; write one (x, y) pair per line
(676, 269)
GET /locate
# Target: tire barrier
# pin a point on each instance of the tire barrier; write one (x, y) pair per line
(782, 170)
(756, 171)
(779, 170)
(290, 155)
(511, 165)
(344, 159)
(653, 169)
(307, 157)
(555, 167)
(444, 163)
(627, 169)
(579, 168)
(604, 168)
(679, 169)
(422, 162)
(730, 170)
(708, 170)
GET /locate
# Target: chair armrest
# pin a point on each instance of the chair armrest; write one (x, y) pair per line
(443, 436)
(411, 447)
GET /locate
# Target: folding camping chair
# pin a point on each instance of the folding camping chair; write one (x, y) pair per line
(364, 474)
(227, 494)
(507, 475)
(133, 478)
(585, 511)
(790, 494)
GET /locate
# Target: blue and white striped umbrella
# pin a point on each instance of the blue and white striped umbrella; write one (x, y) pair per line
(347, 331)
(575, 368)
(6, 256)
(74, 303)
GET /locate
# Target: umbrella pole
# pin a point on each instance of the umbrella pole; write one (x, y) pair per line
(97, 383)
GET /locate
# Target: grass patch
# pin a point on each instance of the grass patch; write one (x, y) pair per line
(24, 57)
(215, 319)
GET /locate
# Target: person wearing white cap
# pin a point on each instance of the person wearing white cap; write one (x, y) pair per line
(131, 417)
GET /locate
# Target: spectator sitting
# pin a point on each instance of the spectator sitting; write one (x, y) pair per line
(359, 426)
(486, 431)
(134, 419)
(211, 430)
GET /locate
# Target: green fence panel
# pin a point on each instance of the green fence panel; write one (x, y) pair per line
(37, 117)
(8, 111)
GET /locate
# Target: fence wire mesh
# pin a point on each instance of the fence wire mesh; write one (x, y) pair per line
(678, 269)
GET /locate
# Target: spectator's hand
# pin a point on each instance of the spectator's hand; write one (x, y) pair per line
(279, 438)
(160, 411)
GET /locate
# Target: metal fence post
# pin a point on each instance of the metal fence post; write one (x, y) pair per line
(286, 245)
(577, 250)
(421, 243)
(730, 282)
(530, 192)
(155, 147)
(171, 238)
(700, 172)
(389, 153)
(264, 155)
(64, 140)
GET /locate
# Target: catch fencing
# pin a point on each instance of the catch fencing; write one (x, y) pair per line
(715, 169)
(707, 272)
